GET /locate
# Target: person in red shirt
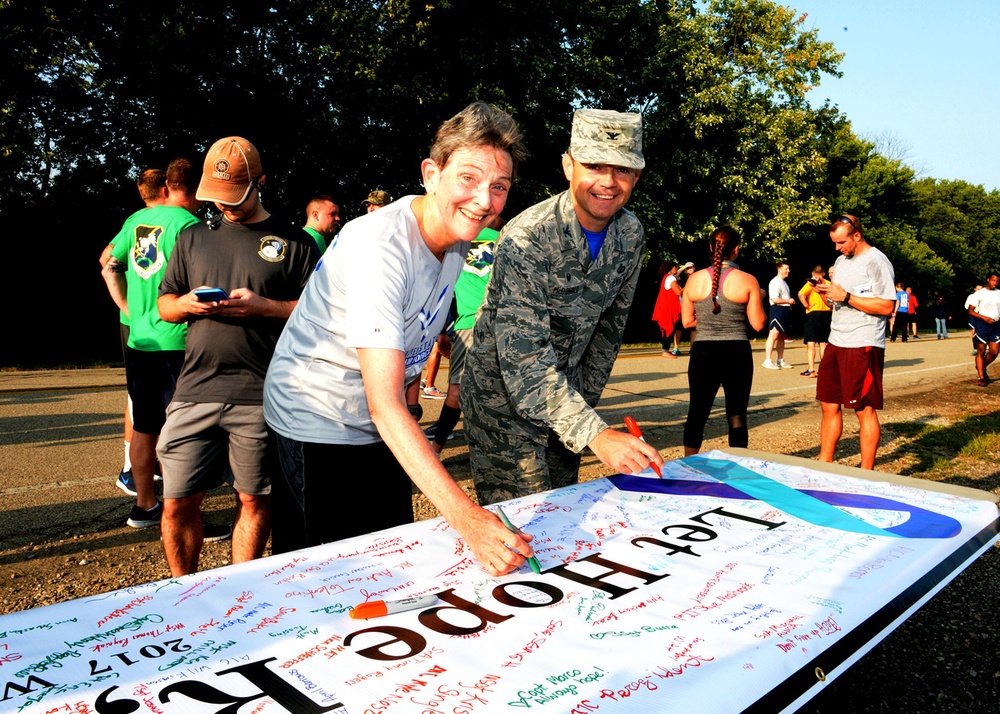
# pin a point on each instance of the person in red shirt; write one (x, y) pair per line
(667, 310)
(911, 309)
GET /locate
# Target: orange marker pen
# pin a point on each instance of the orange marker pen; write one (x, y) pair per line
(634, 430)
(381, 608)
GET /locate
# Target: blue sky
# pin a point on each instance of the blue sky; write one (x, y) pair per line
(921, 72)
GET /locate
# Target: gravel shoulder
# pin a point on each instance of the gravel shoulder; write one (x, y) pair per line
(942, 659)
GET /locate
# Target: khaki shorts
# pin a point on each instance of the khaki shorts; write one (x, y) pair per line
(203, 444)
(461, 343)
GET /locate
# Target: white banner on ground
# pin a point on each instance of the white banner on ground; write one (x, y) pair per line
(734, 583)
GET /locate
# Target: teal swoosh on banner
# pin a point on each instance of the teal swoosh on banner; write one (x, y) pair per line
(823, 508)
(794, 503)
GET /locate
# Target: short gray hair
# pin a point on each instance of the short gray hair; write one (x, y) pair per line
(479, 124)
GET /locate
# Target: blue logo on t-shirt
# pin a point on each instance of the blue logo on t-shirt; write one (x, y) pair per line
(427, 319)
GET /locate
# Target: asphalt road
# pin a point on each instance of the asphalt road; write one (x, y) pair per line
(62, 533)
(61, 431)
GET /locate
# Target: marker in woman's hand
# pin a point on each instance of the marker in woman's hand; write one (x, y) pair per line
(634, 430)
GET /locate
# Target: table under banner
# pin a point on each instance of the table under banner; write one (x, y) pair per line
(740, 581)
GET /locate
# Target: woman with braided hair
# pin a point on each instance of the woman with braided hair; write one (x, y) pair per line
(720, 302)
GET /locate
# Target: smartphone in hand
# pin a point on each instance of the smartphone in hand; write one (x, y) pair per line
(210, 294)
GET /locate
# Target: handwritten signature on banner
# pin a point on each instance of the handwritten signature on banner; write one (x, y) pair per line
(644, 581)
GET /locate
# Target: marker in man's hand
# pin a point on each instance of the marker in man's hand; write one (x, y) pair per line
(634, 430)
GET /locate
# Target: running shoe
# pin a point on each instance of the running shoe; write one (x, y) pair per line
(431, 432)
(126, 483)
(768, 364)
(675, 352)
(432, 393)
(807, 373)
(141, 518)
(215, 532)
(782, 364)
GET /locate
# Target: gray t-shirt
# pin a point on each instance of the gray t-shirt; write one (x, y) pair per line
(869, 274)
(378, 286)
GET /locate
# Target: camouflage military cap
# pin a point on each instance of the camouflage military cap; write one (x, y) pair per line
(601, 136)
(378, 198)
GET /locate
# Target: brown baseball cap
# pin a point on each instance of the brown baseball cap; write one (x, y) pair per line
(378, 198)
(232, 167)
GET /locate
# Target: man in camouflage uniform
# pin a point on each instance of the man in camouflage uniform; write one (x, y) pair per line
(564, 274)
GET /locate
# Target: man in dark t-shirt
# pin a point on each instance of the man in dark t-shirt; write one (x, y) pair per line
(216, 416)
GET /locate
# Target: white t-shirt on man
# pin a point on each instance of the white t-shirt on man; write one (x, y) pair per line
(986, 302)
(778, 289)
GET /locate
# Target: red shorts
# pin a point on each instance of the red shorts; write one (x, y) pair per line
(851, 376)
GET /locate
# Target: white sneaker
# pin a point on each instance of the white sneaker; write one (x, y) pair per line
(768, 364)
(783, 364)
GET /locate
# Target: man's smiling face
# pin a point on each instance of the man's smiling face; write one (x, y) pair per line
(598, 191)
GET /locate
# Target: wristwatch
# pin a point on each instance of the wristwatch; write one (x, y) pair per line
(847, 299)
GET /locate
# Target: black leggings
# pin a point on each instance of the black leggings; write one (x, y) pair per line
(729, 365)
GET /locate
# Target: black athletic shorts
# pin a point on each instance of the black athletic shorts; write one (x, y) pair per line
(151, 378)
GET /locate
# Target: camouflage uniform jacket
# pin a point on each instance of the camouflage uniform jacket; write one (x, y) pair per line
(549, 330)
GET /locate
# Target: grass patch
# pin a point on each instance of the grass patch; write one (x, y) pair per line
(985, 447)
(934, 448)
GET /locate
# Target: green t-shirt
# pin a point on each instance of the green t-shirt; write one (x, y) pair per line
(470, 288)
(144, 244)
(318, 237)
(122, 317)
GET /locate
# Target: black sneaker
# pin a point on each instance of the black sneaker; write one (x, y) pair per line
(126, 483)
(431, 432)
(215, 532)
(140, 518)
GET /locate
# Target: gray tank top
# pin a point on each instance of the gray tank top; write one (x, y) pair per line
(729, 324)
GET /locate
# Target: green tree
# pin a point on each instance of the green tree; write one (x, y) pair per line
(737, 142)
(344, 96)
(46, 90)
(961, 222)
(880, 190)
(914, 262)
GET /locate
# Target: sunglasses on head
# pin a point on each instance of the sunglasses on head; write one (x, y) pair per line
(849, 221)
